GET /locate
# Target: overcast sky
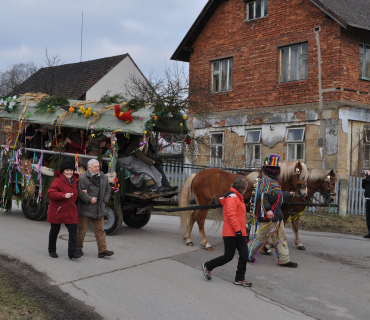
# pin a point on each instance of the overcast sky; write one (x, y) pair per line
(148, 30)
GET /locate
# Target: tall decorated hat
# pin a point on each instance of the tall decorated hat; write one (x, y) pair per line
(272, 161)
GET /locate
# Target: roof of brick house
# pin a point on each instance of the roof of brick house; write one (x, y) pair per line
(354, 13)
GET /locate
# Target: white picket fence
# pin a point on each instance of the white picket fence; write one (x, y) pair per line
(177, 173)
(356, 198)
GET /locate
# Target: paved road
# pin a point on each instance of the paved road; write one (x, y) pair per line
(153, 275)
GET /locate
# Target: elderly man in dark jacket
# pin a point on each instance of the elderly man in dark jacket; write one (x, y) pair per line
(366, 186)
(268, 201)
(94, 192)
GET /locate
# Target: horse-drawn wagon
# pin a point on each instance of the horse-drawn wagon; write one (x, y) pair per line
(25, 177)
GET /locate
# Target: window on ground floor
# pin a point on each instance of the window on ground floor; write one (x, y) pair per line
(294, 63)
(365, 61)
(366, 147)
(296, 147)
(253, 148)
(216, 149)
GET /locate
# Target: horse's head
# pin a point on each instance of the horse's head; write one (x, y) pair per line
(293, 177)
(327, 187)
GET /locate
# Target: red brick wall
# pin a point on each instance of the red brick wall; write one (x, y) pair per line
(254, 46)
(350, 66)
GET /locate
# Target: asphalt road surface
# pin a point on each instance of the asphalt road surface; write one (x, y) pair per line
(153, 275)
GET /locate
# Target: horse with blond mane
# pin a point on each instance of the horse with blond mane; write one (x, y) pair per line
(318, 180)
(211, 184)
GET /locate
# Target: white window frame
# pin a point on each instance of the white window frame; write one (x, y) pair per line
(301, 58)
(365, 62)
(295, 143)
(216, 162)
(263, 4)
(253, 163)
(229, 87)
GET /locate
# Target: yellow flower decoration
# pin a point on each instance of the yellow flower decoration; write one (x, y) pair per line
(71, 109)
(94, 114)
(123, 103)
(121, 114)
(145, 132)
(86, 115)
(89, 109)
(93, 135)
(184, 117)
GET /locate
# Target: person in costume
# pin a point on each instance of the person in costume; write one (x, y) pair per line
(35, 137)
(234, 233)
(267, 211)
(142, 164)
(76, 141)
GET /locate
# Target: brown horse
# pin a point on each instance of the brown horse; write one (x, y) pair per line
(211, 184)
(318, 180)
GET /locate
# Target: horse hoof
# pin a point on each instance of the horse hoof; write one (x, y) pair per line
(302, 248)
(190, 244)
(209, 249)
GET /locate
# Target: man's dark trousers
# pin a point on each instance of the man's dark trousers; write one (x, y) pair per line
(368, 215)
(231, 244)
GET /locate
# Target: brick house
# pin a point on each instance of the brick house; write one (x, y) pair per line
(270, 93)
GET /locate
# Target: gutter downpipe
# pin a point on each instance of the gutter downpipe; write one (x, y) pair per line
(322, 122)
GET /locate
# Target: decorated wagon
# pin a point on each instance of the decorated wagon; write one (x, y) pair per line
(25, 175)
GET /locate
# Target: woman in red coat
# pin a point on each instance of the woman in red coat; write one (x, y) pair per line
(234, 233)
(62, 196)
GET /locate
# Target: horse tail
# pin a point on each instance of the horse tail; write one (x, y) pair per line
(218, 218)
(184, 201)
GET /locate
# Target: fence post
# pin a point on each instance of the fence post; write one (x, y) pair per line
(343, 197)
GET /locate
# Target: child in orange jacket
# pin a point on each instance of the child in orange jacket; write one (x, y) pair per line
(234, 233)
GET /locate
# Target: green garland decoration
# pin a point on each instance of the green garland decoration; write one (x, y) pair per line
(51, 104)
(165, 106)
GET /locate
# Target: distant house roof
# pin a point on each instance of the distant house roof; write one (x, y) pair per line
(72, 80)
(355, 13)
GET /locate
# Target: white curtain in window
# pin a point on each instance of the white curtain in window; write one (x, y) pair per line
(294, 60)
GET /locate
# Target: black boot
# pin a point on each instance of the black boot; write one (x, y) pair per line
(75, 256)
(53, 254)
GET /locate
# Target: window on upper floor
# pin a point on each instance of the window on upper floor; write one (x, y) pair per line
(222, 75)
(295, 140)
(257, 9)
(364, 61)
(254, 148)
(216, 149)
(294, 63)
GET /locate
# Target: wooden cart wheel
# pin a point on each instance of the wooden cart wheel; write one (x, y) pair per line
(134, 220)
(112, 221)
(34, 210)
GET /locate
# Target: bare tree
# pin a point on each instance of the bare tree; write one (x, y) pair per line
(16, 74)
(172, 89)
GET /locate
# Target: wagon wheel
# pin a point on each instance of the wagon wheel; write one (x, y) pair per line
(112, 220)
(134, 220)
(34, 210)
